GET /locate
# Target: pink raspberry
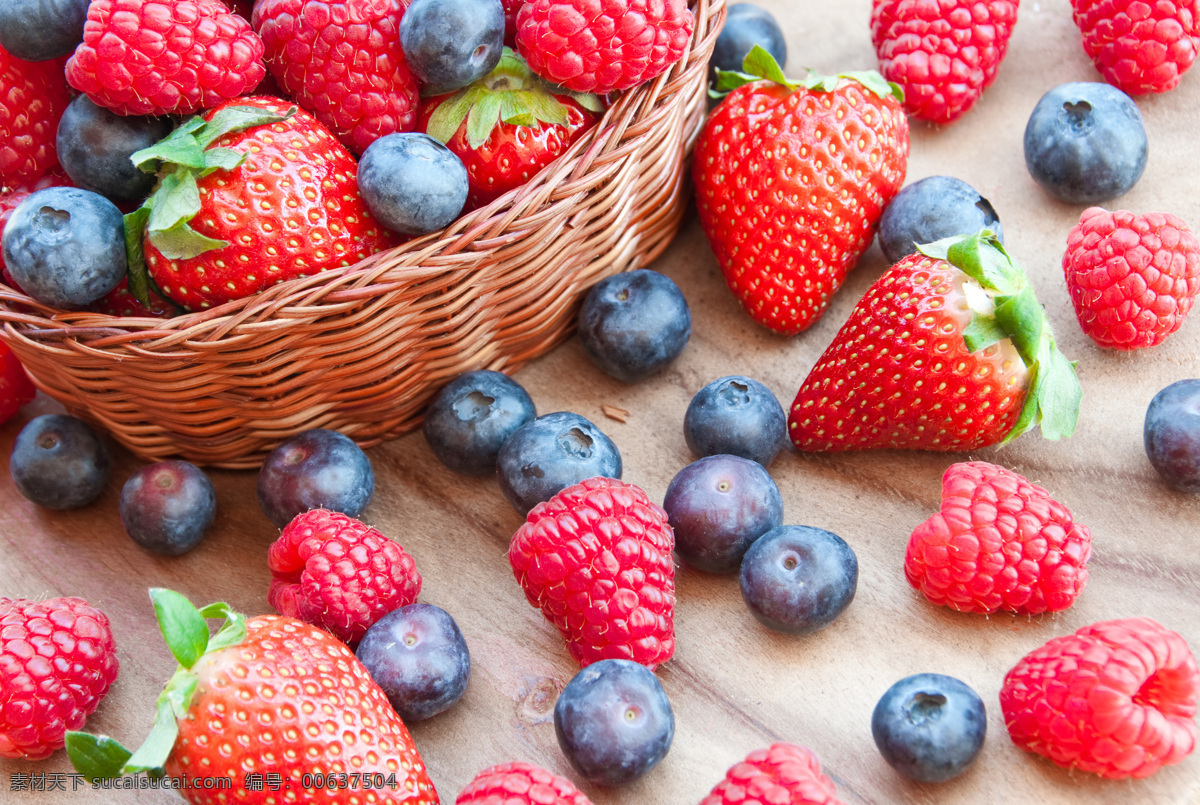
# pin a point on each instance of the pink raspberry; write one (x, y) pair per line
(520, 783)
(781, 773)
(33, 97)
(1139, 46)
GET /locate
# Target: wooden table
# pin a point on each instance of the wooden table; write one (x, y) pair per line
(734, 685)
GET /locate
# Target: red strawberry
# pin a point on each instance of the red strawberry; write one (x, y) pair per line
(57, 660)
(1117, 698)
(596, 559)
(998, 542)
(791, 180)
(272, 705)
(943, 54)
(781, 773)
(1139, 47)
(120, 301)
(507, 126)
(948, 350)
(520, 783)
(33, 97)
(1132, 278)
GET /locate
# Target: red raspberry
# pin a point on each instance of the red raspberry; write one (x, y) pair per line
(602, 45)
(33, 97)
(121, 302)
(57, 660)
(1138, 46)
(1132, 278)
(944, 53)
(1117, 699)
(520, 783)
(342, 61)
(781, 773)
(335, 572)
(16, 388)
(153, 57)
(596, 560)
(998, 542)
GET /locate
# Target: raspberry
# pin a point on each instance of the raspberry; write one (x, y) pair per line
(1139, 47)
(16, 388)
(944, 54)
(780, 773)
(520, 783)
(338, 573)
(596, 559)
(120, 301)
(1132, 278)
(602, 45)
(152, 57)
(33, 97)
(1117, 699)
(57, 660)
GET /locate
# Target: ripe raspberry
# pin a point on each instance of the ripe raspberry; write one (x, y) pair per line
(602, 45)
(998, 542)
(57, 660)
(944, 54)
(16, 388)
(1139, 47)
(780, 773)
(1117, 699)
(338, 573)
(596, 559)
(152, 57)
(520, 783)
(33, 97)
(1132, 278)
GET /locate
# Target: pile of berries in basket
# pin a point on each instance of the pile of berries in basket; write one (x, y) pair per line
(211, 151)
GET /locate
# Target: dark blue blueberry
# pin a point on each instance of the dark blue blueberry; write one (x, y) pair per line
(167, 507)
(717, 507)
(450, 43)
(412, 183)
(471, 417)
(65, 247)
(929, 727)
(316, 469)
(933, 208)
(738, 416)
(634, 324)
(39, 30)
(549, 454)
(614, 721)
(417, 655)
(1172, 434)
(59, 462)
(1086, 142)
(94, 145)
(747, 25)
(799, 579)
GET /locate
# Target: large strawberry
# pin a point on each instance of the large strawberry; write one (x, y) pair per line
(280, 709)
(791, 179)
(948, 350)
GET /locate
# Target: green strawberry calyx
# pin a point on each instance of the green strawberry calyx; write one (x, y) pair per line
(759, 64)
(187, 634)
(1008, 308)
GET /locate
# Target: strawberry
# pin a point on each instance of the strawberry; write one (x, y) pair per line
(948, 350)
(120, 301)
(791, 180)
(1139, 47)
(272, 705)
(507, 126)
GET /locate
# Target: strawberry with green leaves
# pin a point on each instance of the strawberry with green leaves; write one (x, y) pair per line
(949, 350)
(791, 180)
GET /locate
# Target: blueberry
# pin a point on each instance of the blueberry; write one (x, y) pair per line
(738, 416)
(450, 43)
(412, 183)
(929, 727)
(471, 417)
(634, 324)
(316, 469)
(717, 507)
(1085, 142)
(417, 655)
(798, 579)
(614, 722)
(746, 25)
(65, 247)
(1172, 434)
(554, 451)
(58, 462)
(40, 30)
(94, 145)
(933, 208)
(167, 507)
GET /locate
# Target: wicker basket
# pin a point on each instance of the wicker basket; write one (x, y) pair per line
(362, 350)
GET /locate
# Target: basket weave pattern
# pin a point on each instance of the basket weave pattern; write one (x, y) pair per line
(361, 350)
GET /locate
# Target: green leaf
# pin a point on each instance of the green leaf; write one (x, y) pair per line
(983, 258)
(483, 117)
(96, 756)
(153, 753)
(237, 118)
(536, 106)
(1022, 317)
(232, 631)
(982, 332)
(176, 201)
(589, 101)
(182, 625)
(759, 62)
(1059, 394)
(876, 83)
(179, 147)
(139, 276)
(729, 80)
(448, 116)
(223, 159)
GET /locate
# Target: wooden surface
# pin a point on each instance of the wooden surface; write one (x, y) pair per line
(734, 685)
